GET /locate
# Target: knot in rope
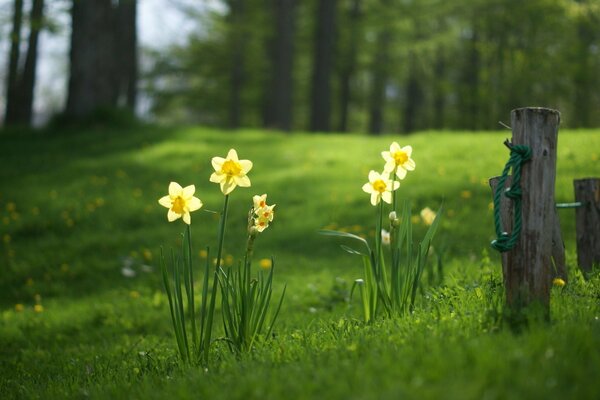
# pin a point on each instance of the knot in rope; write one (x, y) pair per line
(519, 154)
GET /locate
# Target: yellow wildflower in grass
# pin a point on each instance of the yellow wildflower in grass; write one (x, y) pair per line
(38, 308)
(466, 194)
(558, 282)
(230, 172)
(380, 187)
(398, 160)
(19, 307)
(203, 253)
(428, 216)
(265, 263)
(180, 202)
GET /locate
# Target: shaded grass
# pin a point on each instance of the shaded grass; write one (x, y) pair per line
(74, 206)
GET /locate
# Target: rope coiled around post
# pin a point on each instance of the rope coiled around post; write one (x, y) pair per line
(519, 155)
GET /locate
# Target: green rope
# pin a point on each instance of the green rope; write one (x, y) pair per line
(519, 155)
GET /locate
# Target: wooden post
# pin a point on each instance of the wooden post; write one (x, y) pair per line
(528, 266)
(587, 223)
(558, 245)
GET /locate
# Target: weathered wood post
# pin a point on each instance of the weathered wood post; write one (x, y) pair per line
(587, 223)
(528, 267)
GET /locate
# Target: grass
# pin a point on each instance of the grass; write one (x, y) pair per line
(77, 207)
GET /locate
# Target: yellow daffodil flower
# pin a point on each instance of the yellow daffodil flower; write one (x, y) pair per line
(230, 172)
(180, 202)
(265, 263)
(380, 187)
(428, 215)
(259, 201)
(398, 160)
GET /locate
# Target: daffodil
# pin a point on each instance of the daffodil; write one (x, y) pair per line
(180, 202)
(398, 160)
(428, 215)
(380, 187)
(230, 172)
(259, 201)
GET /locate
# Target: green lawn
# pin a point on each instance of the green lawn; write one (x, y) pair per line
(75, 208)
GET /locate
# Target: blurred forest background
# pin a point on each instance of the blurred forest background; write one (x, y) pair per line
(330, 65)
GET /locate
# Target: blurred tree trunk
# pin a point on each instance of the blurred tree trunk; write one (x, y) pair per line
(350, 65)
(324, 44)
(439, 95)
(93, 79)
(469, 98)
(27, 82)
(280, 96)
(379, 73)
(127, 42)
(414, 96)
(12, 92)
(237, 73)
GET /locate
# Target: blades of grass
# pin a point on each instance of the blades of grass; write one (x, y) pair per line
(167, 284)
(346, 235)
(205, 284)
(177, 270)
(189, 282)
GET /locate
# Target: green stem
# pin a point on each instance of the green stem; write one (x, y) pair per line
(190, 293)
(218, 270)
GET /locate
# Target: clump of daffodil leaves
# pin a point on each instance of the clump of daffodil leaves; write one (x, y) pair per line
(245, 300)
(392, 290)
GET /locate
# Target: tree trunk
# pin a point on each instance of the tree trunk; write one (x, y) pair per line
(379, 82)
(413, 98)
(237, 73)
(93, 80)
(349, 67)
(439, 96)
(12, 92)
(27, 82)
(280, 96)
(324, 43)
(127, 43)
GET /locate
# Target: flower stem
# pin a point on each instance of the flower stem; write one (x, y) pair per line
(218, 270)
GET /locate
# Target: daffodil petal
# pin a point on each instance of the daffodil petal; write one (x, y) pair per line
(227, 186)
(367, 188)
(389, 166)
(217, 163)
(373, 176)
(216, 177)
(246, 165)
(407, 150)
(165, 201)
(394, 147)
(375, 198)
(401, 173)
(188, 191)
(387, 197)
(232, 155)
(172, 215)
(194, 204)
(242, 181)
(386, 156)
(395, 186)
(175, 189)
(410, 164)
(187, 218)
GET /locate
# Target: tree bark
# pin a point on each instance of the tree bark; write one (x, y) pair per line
(127, 42)
(324, 45)
(12, 92)
(413, 98)
(349, 68)
(379, 81)
(280, 102)
(27, 82)
(93, 79)
(237, 73)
